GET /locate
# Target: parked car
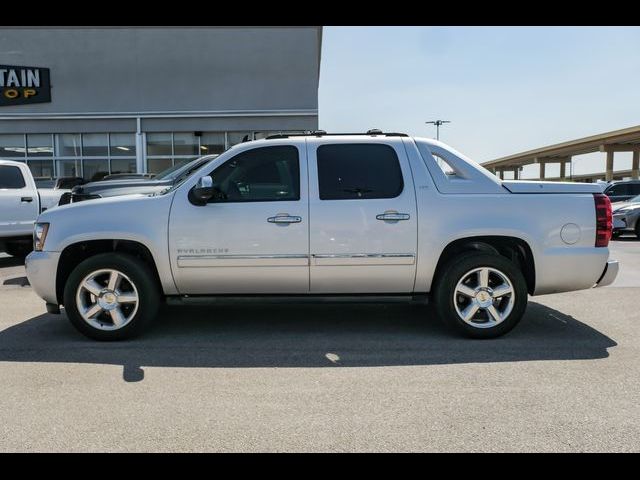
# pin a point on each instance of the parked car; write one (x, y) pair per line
(110, 188)
(626, 217)
(622, 190)
(123, 176)
(67, 183)
(60, 183)
(20, 204)
(325, 216)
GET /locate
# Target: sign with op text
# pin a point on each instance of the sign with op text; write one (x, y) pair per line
(24, 85)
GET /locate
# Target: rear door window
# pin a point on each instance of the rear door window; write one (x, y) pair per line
(358, 171)
(11, 177)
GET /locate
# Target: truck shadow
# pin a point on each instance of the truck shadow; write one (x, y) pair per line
(289, 336)
(11, 261)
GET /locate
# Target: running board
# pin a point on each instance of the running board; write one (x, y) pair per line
(304, 299)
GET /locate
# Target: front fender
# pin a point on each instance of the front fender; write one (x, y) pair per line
(137, 218)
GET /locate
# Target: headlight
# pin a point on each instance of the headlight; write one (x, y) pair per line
(39, 236)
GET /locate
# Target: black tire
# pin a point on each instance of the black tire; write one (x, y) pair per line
(455, 270)
(615, 235)
(138, 273)
(19, 249)
(638, 228)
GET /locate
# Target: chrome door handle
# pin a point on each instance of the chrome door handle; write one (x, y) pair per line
(392, 216)
(284, 218)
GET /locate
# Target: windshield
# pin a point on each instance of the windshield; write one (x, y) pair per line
(167, 173)
(180, 176)
(635, 199)
(177, 172)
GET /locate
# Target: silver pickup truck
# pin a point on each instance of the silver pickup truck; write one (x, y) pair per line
(20, 204)
(326, 216)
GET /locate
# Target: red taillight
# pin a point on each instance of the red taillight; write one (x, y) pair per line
(604, 220)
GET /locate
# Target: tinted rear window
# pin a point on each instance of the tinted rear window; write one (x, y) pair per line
(358, 171)
(11, 177)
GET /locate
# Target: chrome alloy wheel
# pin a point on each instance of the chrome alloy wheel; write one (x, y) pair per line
(107, 299)
(484, 297)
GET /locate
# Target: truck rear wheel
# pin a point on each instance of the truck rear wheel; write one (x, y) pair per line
(481, 295)
(111, 296)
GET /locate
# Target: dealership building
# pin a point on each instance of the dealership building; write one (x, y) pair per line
(84, 102)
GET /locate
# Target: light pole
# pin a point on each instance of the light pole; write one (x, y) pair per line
(437, 123)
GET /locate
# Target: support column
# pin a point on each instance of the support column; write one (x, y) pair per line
(609, 170)
(141, 166)
(542, 165)
(635, 165)
(515, 173)
(501, 173)
(563, 171)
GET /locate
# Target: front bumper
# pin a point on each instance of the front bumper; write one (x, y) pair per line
(609, 274)
(42, 269)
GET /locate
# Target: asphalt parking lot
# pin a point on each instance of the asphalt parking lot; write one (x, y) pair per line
(326, 377)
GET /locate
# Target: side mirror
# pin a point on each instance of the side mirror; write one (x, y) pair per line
(202, 191)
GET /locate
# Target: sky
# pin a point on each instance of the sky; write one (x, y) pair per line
(504, 89)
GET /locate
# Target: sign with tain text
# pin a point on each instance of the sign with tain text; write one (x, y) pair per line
(24, 85)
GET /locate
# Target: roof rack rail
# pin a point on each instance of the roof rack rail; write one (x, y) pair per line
(322, 133)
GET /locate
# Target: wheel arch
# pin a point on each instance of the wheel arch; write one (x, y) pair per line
(75, 253)
(513, 248)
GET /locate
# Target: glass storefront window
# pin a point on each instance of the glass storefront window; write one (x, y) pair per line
(239, 137)
(123, 165)
(39, 145)
(159, 144)
(123, 145)
(12, 146)
(95, 144)
(95, 169)
(41, 168)
(156, 165)
(211, 142)
(93, 155)
(185, 144)
(68, 145)
(68, 168)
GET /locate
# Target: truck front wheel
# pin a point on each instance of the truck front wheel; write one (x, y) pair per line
(481, 295)
(111, 296)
